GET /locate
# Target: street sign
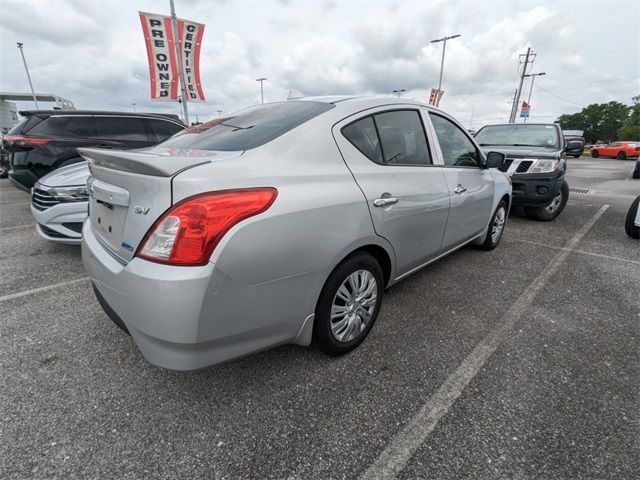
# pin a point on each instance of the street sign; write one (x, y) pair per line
(524, 112)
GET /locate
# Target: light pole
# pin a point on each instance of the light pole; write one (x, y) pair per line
(444, 46)
(183, 87)
(399, 92)
(533, 77)
(219, 113)
(134, 107)
(261, 80)
(35, 100)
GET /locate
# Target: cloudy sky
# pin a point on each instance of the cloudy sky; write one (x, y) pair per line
(93, 52)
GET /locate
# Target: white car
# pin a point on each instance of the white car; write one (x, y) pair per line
(59, 203)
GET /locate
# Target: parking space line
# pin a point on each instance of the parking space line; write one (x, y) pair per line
(402, 447)
(15, 228)
(11, 296)
(16, 202)
(582, 252)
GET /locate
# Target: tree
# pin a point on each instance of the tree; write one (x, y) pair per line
(631, 128)
(599, 121)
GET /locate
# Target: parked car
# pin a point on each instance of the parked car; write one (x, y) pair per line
(60, 199)
(283, 224)
(632, 222)
(47, 139)
(619, 150)
(636, 170)
(4, 158)
(535, 162)
(577, 142)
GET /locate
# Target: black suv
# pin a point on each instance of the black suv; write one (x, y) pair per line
(48, 139)
(535, 162)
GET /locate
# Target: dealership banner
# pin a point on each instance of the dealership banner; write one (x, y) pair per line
(161, 54)
(190, 38)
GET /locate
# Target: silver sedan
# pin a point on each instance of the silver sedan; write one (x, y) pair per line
(284, 224)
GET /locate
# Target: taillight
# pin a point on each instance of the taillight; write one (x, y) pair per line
(637, 149)
(188, 232)
(23, 141)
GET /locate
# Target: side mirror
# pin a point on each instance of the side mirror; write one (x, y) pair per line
(495, 160)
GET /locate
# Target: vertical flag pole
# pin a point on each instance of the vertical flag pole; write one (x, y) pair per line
(183, 89)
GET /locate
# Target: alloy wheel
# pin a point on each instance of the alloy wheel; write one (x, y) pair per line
(555, 203)
(498, 224)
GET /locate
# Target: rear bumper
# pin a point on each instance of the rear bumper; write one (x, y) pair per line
(61, 223)
(185, 318)
(535, 190)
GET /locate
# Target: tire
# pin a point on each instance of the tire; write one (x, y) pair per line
(621, 156)
(576, 156)
(636, 171)
(629, 226)
(594, 154)
(550, 211)
(496, 227)
(341, 336)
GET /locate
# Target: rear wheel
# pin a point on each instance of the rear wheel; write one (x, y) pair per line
(349, 304)
(629, 225)
(576, 156)
(550, 211)
(496, 227)
(595, 154)
(621, 156)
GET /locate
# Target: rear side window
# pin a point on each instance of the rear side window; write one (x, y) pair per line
(163, 129)
(254, 127)
(362, 134)
(69, 126)
(390, 138)
(122, 128)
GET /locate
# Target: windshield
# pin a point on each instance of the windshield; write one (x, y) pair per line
(519, 135)
(252, 127)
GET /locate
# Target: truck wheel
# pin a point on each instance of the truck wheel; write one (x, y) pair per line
(636, 171)
(629, 225)
(594, 154)
(621, 156)
(550, 211)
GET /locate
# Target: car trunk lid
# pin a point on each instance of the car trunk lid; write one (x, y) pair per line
(129, 190)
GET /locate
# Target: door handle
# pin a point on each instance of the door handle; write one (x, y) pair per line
(459, 189)
(383, 202)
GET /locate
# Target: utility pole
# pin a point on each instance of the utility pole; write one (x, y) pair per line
(399, 92)
(35, 100)
(261, 80)
(183, 87)
(514, 107)
(533, 77)
(444, 46)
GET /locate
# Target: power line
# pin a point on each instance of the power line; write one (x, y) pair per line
(557, 96)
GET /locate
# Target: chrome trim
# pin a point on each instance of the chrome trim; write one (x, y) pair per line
(413, 270)
(110, 251)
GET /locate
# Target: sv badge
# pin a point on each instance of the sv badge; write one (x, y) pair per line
(140, 210)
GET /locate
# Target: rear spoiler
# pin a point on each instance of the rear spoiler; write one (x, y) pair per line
(157, 164)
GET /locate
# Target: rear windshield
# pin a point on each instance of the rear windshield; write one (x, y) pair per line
(252, 127)
(519, 135)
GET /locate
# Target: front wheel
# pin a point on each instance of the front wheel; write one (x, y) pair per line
(496, 227)
(594, 154)
(629, 225)
(550, 211)
(621, 156)
(576, 156)
(348, 305)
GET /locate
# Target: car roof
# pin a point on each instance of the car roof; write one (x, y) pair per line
(164, 116)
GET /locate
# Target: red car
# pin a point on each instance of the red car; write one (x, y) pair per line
(620, 150)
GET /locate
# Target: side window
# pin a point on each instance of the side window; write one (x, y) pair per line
(163, 129)
(457, 149)
(362, 134)
(123, 128)
(65, 126)
(402, 138)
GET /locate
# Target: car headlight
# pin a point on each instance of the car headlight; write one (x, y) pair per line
(544, 166)
(70, 194)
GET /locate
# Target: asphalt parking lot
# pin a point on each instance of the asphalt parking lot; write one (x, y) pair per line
(518, 363)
